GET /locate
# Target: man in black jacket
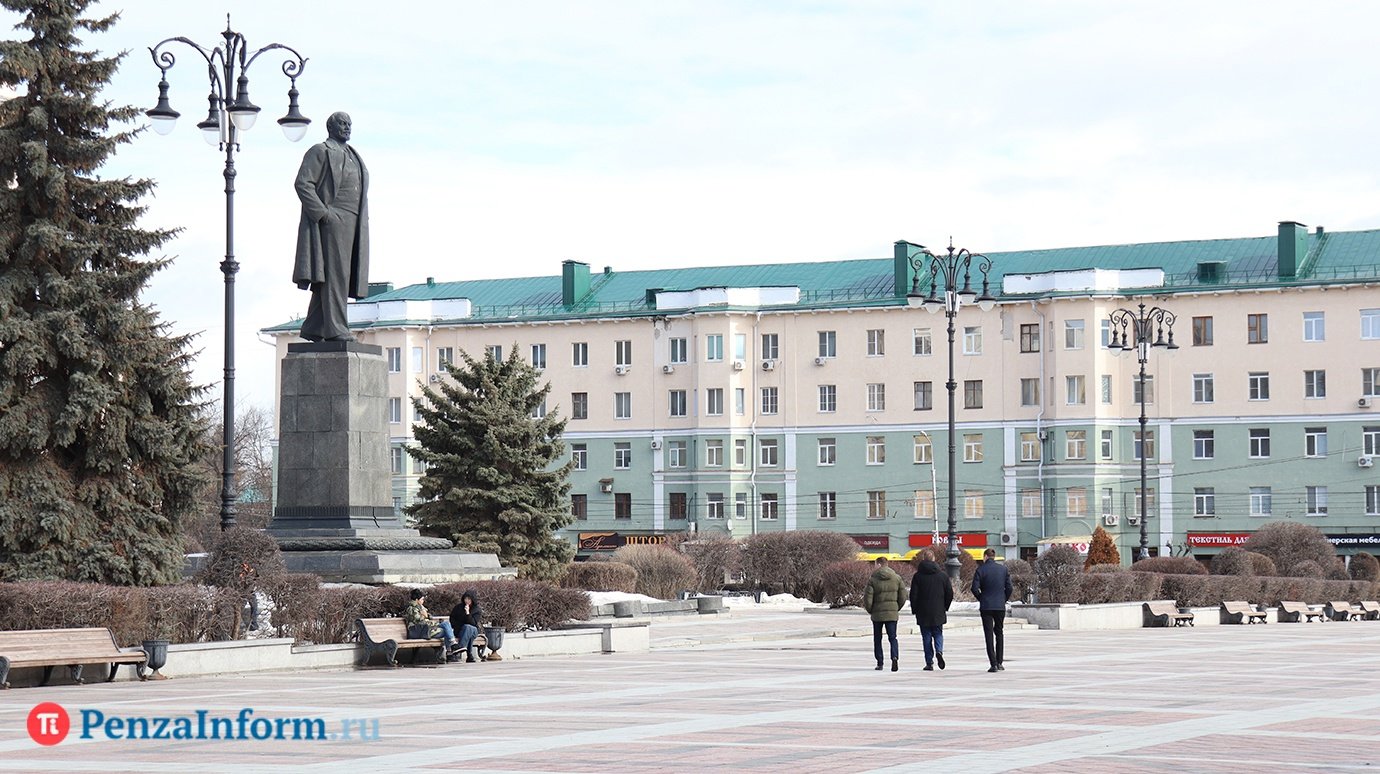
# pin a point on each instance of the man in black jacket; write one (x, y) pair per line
(467, 619)
(992, 587)
(931, 593)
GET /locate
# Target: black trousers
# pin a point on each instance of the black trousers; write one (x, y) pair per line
(877, 628)
(991, 631)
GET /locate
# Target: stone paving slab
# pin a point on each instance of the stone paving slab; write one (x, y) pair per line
(1277, 698)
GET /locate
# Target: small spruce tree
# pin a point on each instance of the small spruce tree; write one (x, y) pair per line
(1102, 550)
(493, 480)
(99, 439)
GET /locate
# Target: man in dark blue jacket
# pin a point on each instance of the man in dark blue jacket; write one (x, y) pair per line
(992, 587)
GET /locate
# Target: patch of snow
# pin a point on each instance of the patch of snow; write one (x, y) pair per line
(609, 597)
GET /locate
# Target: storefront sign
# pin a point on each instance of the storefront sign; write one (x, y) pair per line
(608, 541)
(873, 542)
(1355, 540)
(1217, 539)
(965, 539)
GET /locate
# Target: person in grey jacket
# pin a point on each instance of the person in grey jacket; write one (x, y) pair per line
(883, 600)
(992, 587)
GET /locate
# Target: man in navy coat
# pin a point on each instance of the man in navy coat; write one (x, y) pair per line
(992, 587)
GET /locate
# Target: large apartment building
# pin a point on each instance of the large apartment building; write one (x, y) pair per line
(744, 399)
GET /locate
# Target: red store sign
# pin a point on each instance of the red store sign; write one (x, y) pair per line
(965, 539)
(1217, 539)
(873, 542)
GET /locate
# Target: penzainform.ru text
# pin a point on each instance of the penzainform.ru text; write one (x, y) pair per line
(49, 724)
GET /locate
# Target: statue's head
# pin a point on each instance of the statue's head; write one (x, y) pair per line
(338, 126)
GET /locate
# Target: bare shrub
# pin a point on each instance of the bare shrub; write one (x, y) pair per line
(1306, 568)
(1262, 566)
(1232, 561)
(1104, 568)
(1170, 565)
(243, 559)
(844, 583)
(967, 565)
(794, 562)
(520, 605)
(1058, 574)
(1337, 571)
(661, 572)
(1288, 543)
(1364, 567)
(180, 613)
(1022, 577)
(716, 558)
(600, 576)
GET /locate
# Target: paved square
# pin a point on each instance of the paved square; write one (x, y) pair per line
(1282, 697)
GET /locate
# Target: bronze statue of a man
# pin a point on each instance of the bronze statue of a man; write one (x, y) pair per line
(333, 235)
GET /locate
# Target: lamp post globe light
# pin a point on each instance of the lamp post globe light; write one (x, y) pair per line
(1132, 330)
(230, 112)
(949, 267)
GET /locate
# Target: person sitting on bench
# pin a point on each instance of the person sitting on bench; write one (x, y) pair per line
(467, 619)
(421, 626)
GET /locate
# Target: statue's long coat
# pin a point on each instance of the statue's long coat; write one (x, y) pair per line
(321, 167)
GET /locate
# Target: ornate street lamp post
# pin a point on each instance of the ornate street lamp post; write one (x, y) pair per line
(1131, 330)
(949, 267)
(230, 113)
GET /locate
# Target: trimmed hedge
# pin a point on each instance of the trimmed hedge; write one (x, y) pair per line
(600, 576)
(661, 572)
(180, 613)
(843, 584)
(1099, 587)
(794, 562)
(1173, 565)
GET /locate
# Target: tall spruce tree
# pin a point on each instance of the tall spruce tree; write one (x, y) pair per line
(492, 481)
(98, 433)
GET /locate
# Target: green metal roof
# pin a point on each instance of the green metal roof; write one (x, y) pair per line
(1250, 261)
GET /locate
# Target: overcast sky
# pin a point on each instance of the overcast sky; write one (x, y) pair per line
(502, 138)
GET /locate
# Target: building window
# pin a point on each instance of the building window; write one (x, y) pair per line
(494, 351)
(1204, 501)
(767, 452)
(1314, 326)
(769, 503)
(876, 397)
(1105, 445)
(1104, 328)
(579, 405)
(740, 505)
(1315, 384)
(1106, 389)
(1204, 444)
(1147, 444)
(622, 352)
(972, 393)
(394, 411)
(539, 410)
(416, 360)
(972, 340)
(1262, 501)
(714, 401)
(1030, 392)
(1258, 385)
(876, 342)
(771, 346)
(923, 449)
(1076, 501)
(714, 505)
(828, 505)
(1370, 323)
(769, 400)
(973, 501)
(1315, 442)
(445, 356)
(714, 454)
(579, 354)
(579, 506)
(1370, 440)
(622, 455)
(972, 447)
(1202, 331)
(395, 456)
(1076, 444)
(1032, 503)
(1203, 391)
(1149, 389)
(1073, 334)
(740, 400)
(1372, 500)
(395, 360)
(1370, 382)
(740, 452)
(680, 351)
(622, 405)
(579, 456)
(714, 347)
(676, 506)
(1075, 390)
(740, 346)
(922, 344)
(1030, 447)
(828, 344)
(1149, 502)
(828, 398)
(924, 504)
(876, 450)
(418, 466)
(675, 454)
(924, 396)
(1030, 337)
(1257, 328)
(1315, 500)
(1259, 446)
(539, 356)
(622, 505)
(876, 504)
(828, 451)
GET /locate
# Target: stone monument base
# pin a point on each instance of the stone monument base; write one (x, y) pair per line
(384, 566)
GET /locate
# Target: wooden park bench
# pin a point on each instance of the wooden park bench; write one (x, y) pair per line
(388, 636)
(1241, 612)
(1165, 614)
(1298, 612)
(1371, 610)
(72, 648)
(1343, 611)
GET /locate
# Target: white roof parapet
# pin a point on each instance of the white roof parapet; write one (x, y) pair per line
(723, 296)
(373, 311)
(1087, 280)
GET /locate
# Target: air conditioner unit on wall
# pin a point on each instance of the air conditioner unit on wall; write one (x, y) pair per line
(656, 445)
(1363, 403)
(821, 360)
(1134, 521)
(737, 365)
(620, 370)
(768, 365)
(435, 378)
(1109, 520)
(1008, 538)
(1365, 461)
(668, 369)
